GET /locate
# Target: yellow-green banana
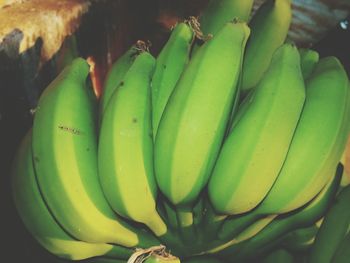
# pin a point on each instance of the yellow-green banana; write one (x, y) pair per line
(194, 121)
(170, 64)
(115, 76)
(40, 222)
(321, 124)
(318, 142)
(303, 217)
(65, 162)
(308, 60)
(269, 27)
(333, 229)
(254, 151)
(218, 12)
(125, 150)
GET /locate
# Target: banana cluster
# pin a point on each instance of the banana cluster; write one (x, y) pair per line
(224, 145)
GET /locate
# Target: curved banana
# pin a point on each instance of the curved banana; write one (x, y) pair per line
(65, 162)
(115, 76)
(218, 12)
(125, 150)
(31, 206)
(322, 125)
(194, 121)
(308, 60)
(285, 223)
(333, 229)
(300, 239)
(253, 153)
(170, 64)
(269, 27)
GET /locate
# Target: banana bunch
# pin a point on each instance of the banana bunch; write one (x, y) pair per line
(219, 149)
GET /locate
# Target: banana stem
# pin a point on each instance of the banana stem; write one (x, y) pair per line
(212, 222)
(171, 216)
(186, 227)
(152, 255)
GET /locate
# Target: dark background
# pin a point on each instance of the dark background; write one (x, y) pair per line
(20, 87)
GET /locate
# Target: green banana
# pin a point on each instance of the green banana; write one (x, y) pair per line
(300, 239)
(269, 27)
(333, 229)
(322, 126)
(194, 121)
(218, 12)
(125, 150)
(170, 64)
(342, 254)
(279, 256)
(65, 161)
(285, 223)
(115, 76)
(308, 60)
(253, 229)
(253, 153)
(329, 112)
(31, 206)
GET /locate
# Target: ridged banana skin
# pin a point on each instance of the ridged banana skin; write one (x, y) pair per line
(31, 206)
(125, 151)
(318, 142)
(269, 27)
(194, 121)
(253, 153)
(65, 161)
(114, 76)
(218, 12)
(333, 229)
(283, 224)
(170, 64)
(308, 60)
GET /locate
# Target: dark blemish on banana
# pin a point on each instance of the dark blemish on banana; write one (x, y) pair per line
(71, 130)
(164, 66)
(134, 120)
(36, 159)
(88, 149)
(121, 83)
